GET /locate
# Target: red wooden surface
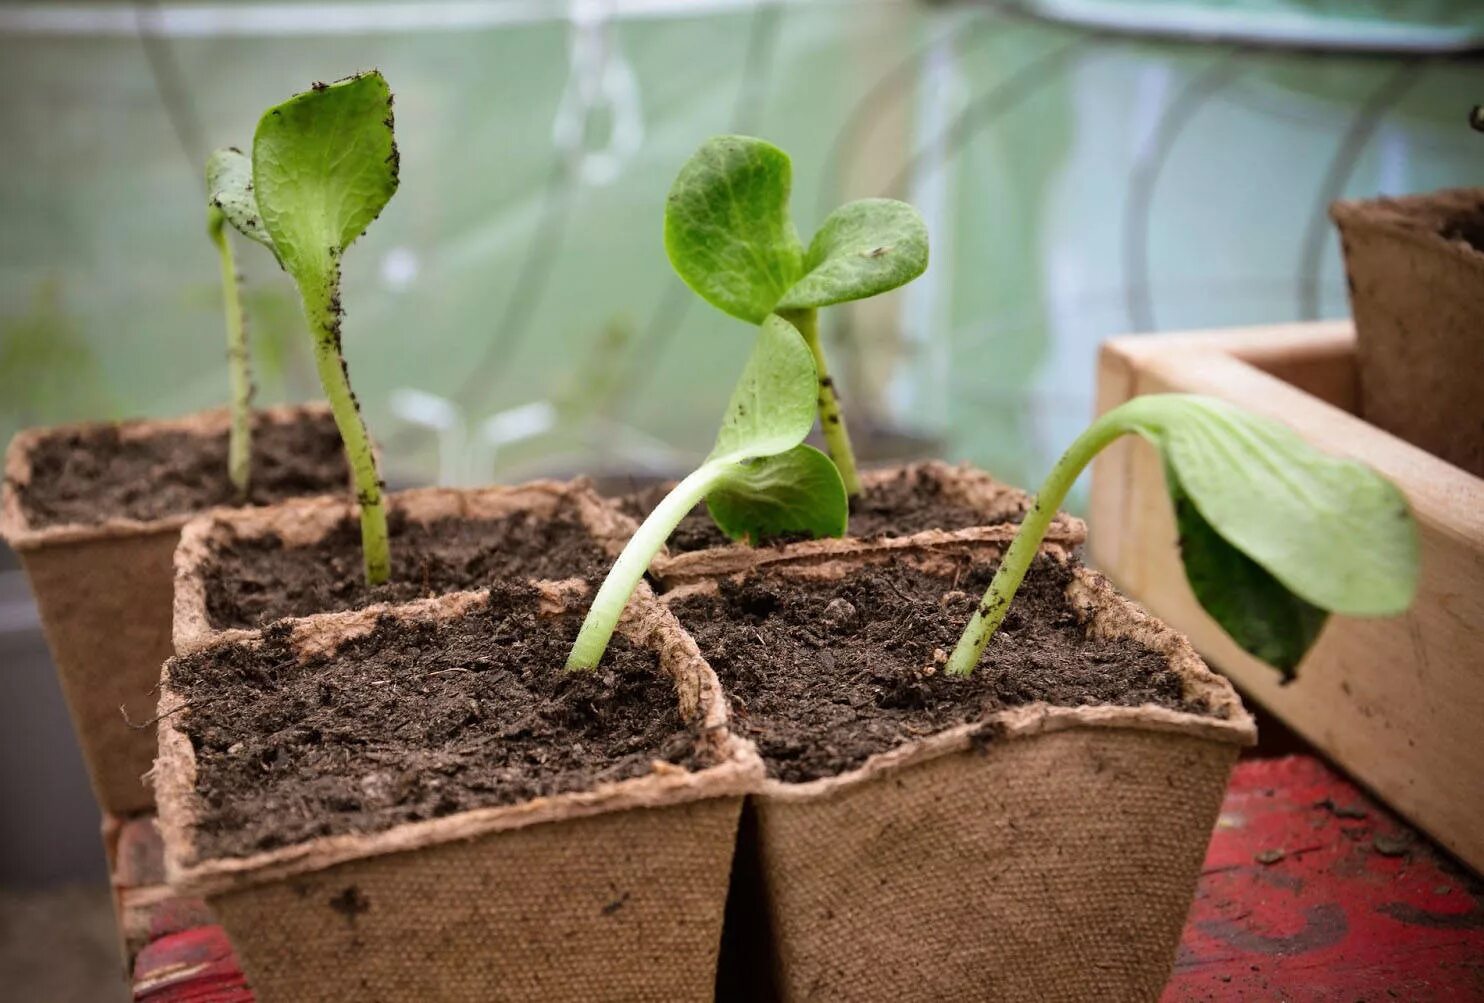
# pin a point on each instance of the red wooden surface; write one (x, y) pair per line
(1310, 893)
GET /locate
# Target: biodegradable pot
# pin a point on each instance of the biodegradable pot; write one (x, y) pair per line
(303, 524)
(1416, 277)
(503, 903)
(999, 503)
(104, 592)
(1046, 853)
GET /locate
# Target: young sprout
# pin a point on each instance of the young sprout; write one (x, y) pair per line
(730, 237)
(239, 440)
(760, 480)
(1274, 535)
(324, 164)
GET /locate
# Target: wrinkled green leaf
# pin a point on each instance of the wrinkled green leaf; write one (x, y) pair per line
(324, 165)
(797, 493)
(1332, 531)
(1263, 617)
(772, 405)
(727, 228)
(863, 248)
(229, 188)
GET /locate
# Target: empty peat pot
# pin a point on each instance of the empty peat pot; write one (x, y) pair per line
(95, 511)
(925, 505)
(1032, 832)
(1416, 277)
(421, 803)
(237, 571)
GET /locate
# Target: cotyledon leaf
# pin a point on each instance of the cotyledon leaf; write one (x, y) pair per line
(864, 248)
(229, 188)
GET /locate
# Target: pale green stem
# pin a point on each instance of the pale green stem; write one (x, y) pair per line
(1022, 551)
(602, 619)
(831, 420)
(324, 321)
(239, 438)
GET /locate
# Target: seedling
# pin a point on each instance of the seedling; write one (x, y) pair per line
(239, 373)
(1274, 535)
(324, 164)
(729, 235)
(759, 481)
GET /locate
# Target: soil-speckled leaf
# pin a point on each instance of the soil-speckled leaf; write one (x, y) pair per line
(1254, 608)
(324, 164)
(1334, 532)
(727, 228)
(229, 188)
(772, 406)
(797, 493)
(863, 248)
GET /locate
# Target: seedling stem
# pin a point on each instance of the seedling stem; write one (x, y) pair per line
(836, 434)
(239, 438)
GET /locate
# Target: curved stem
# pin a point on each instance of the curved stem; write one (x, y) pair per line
(831, 420)
(602, 618)
(324, 320)
(1022, 551)
(239, 372)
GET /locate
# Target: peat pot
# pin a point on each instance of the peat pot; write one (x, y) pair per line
(613, 889)
(94, 511)
(1416, 277)
(237, 570)
(924, 505)
(1029, 851)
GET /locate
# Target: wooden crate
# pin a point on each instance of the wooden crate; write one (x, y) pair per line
(1399, 703)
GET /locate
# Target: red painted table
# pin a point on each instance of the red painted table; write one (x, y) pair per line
(1310, 892)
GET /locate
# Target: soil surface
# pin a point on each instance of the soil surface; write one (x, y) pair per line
(898, 506)
(253, 581)
(87, 477)
(1467, 227)
(415, 721)
(824, 675)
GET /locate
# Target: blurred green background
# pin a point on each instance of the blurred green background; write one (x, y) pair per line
(1079, 181)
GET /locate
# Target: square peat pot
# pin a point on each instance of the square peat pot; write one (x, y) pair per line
(236, 571)
(930, 504)
(610, 889)
(1394, 701)
(1416, 280)
(1026, 849)
(94, 510)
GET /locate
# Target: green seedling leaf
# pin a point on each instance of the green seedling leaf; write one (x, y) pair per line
(1274, 534)
(759, 480)
(727, 227)
(324, 165)
(1253, 607)
(796, 493)
(229, 189)
(863, 248)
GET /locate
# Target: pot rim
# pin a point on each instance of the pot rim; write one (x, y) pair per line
(1113, 615)
(974, 487)
(645, 622)
(15, 524)
(302, 522)
(1412, 219)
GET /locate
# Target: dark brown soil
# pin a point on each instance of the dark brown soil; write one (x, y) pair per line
(823, 676)
(899, 506)
(415, 721)
(254, 581)
(88, 477)
(1467, 227)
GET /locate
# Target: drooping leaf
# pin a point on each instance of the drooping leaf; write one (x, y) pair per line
(1334, 532)
(727, 227)
(229, 188)
(864, 248)
(1263, 617)
(324, 165)
(773, 404)
(797, 493)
